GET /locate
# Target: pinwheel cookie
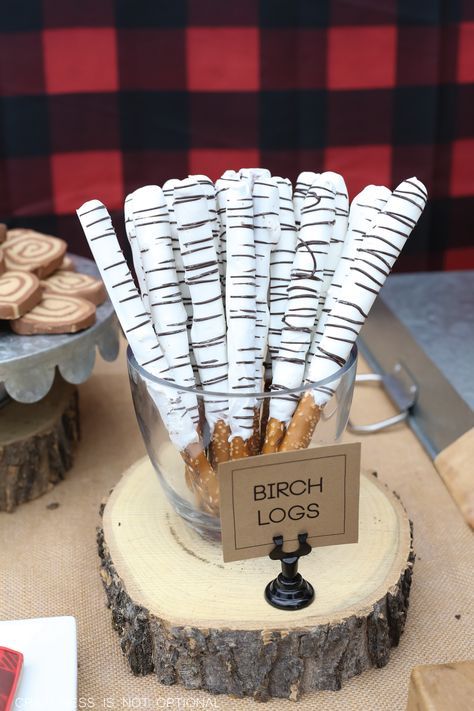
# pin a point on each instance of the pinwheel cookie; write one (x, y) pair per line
(26, 250)
(19, 293)
(56, 314)
(68, 283)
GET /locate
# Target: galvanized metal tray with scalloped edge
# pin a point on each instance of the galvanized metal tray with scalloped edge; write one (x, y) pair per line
(28, 363)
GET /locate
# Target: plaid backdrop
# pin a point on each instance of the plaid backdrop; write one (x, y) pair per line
(99, 97)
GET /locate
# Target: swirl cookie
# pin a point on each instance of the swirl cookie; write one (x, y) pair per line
(75, 284)
(3, 232)
(56, 314)
(29, 251)
(19, 293)
(2, 262)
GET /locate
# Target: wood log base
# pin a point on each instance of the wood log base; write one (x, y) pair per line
(36, 444)
(189, 619)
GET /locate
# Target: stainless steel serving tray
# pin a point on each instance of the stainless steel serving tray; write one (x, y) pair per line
(425, 323)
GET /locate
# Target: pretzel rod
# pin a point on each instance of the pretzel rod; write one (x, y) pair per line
(317, 220)
(208, 331)
(281, 262)
(253, 442)
(364, 209)
(168, 192)
(138, 329)
(153, 236)
(371, 267)
(227, 180)
(209, 191)
(135, 248)
(338, 233)
(137, 325)
(241, 313)
(266, 227)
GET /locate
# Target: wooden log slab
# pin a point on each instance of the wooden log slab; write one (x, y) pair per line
(36, 444)
(189, 619)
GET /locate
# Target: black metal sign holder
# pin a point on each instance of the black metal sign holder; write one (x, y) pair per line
(289, 590)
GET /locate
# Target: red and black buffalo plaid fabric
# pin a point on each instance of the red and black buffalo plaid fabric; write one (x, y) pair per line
(99, 97)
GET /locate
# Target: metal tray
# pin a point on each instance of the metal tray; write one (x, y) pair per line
(28, 363)
(423, 325)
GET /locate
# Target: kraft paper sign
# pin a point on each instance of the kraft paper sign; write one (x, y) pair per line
(313, 491)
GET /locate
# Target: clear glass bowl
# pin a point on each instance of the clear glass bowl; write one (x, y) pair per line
(167, 460)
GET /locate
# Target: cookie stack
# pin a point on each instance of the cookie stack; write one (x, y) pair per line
(40, 291)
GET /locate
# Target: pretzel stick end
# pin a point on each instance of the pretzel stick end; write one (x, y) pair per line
(302, 425)
(219, 447)
(238, 448)
(253, 442)
(274, 434)
(204, 478)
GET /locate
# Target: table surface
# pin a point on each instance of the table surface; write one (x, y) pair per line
(50, 564)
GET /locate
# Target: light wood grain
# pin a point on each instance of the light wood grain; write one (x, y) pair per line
(442, 687)
(454, 465)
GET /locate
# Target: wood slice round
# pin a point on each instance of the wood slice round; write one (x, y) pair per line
(189, 619)
(36, 444)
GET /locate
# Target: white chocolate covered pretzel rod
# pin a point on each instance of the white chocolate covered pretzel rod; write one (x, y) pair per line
(208, 331)
(339, 232)
(281, 262)
(371, 267)
(241, 314)
(135, 249)
(227, 180)
(153, 235)
(266, 231)
(209, 191)
(138, 329)
(364, 209)
(362, 214)
(168, 192)
(317, 221)
(266, 228)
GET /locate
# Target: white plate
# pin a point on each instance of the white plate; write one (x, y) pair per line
(49, 677)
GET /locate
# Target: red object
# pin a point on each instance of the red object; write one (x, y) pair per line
(11, 663)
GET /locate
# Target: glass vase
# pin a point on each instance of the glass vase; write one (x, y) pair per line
(168, 461)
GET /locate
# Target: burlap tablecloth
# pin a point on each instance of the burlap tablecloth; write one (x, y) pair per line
(49, 564)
